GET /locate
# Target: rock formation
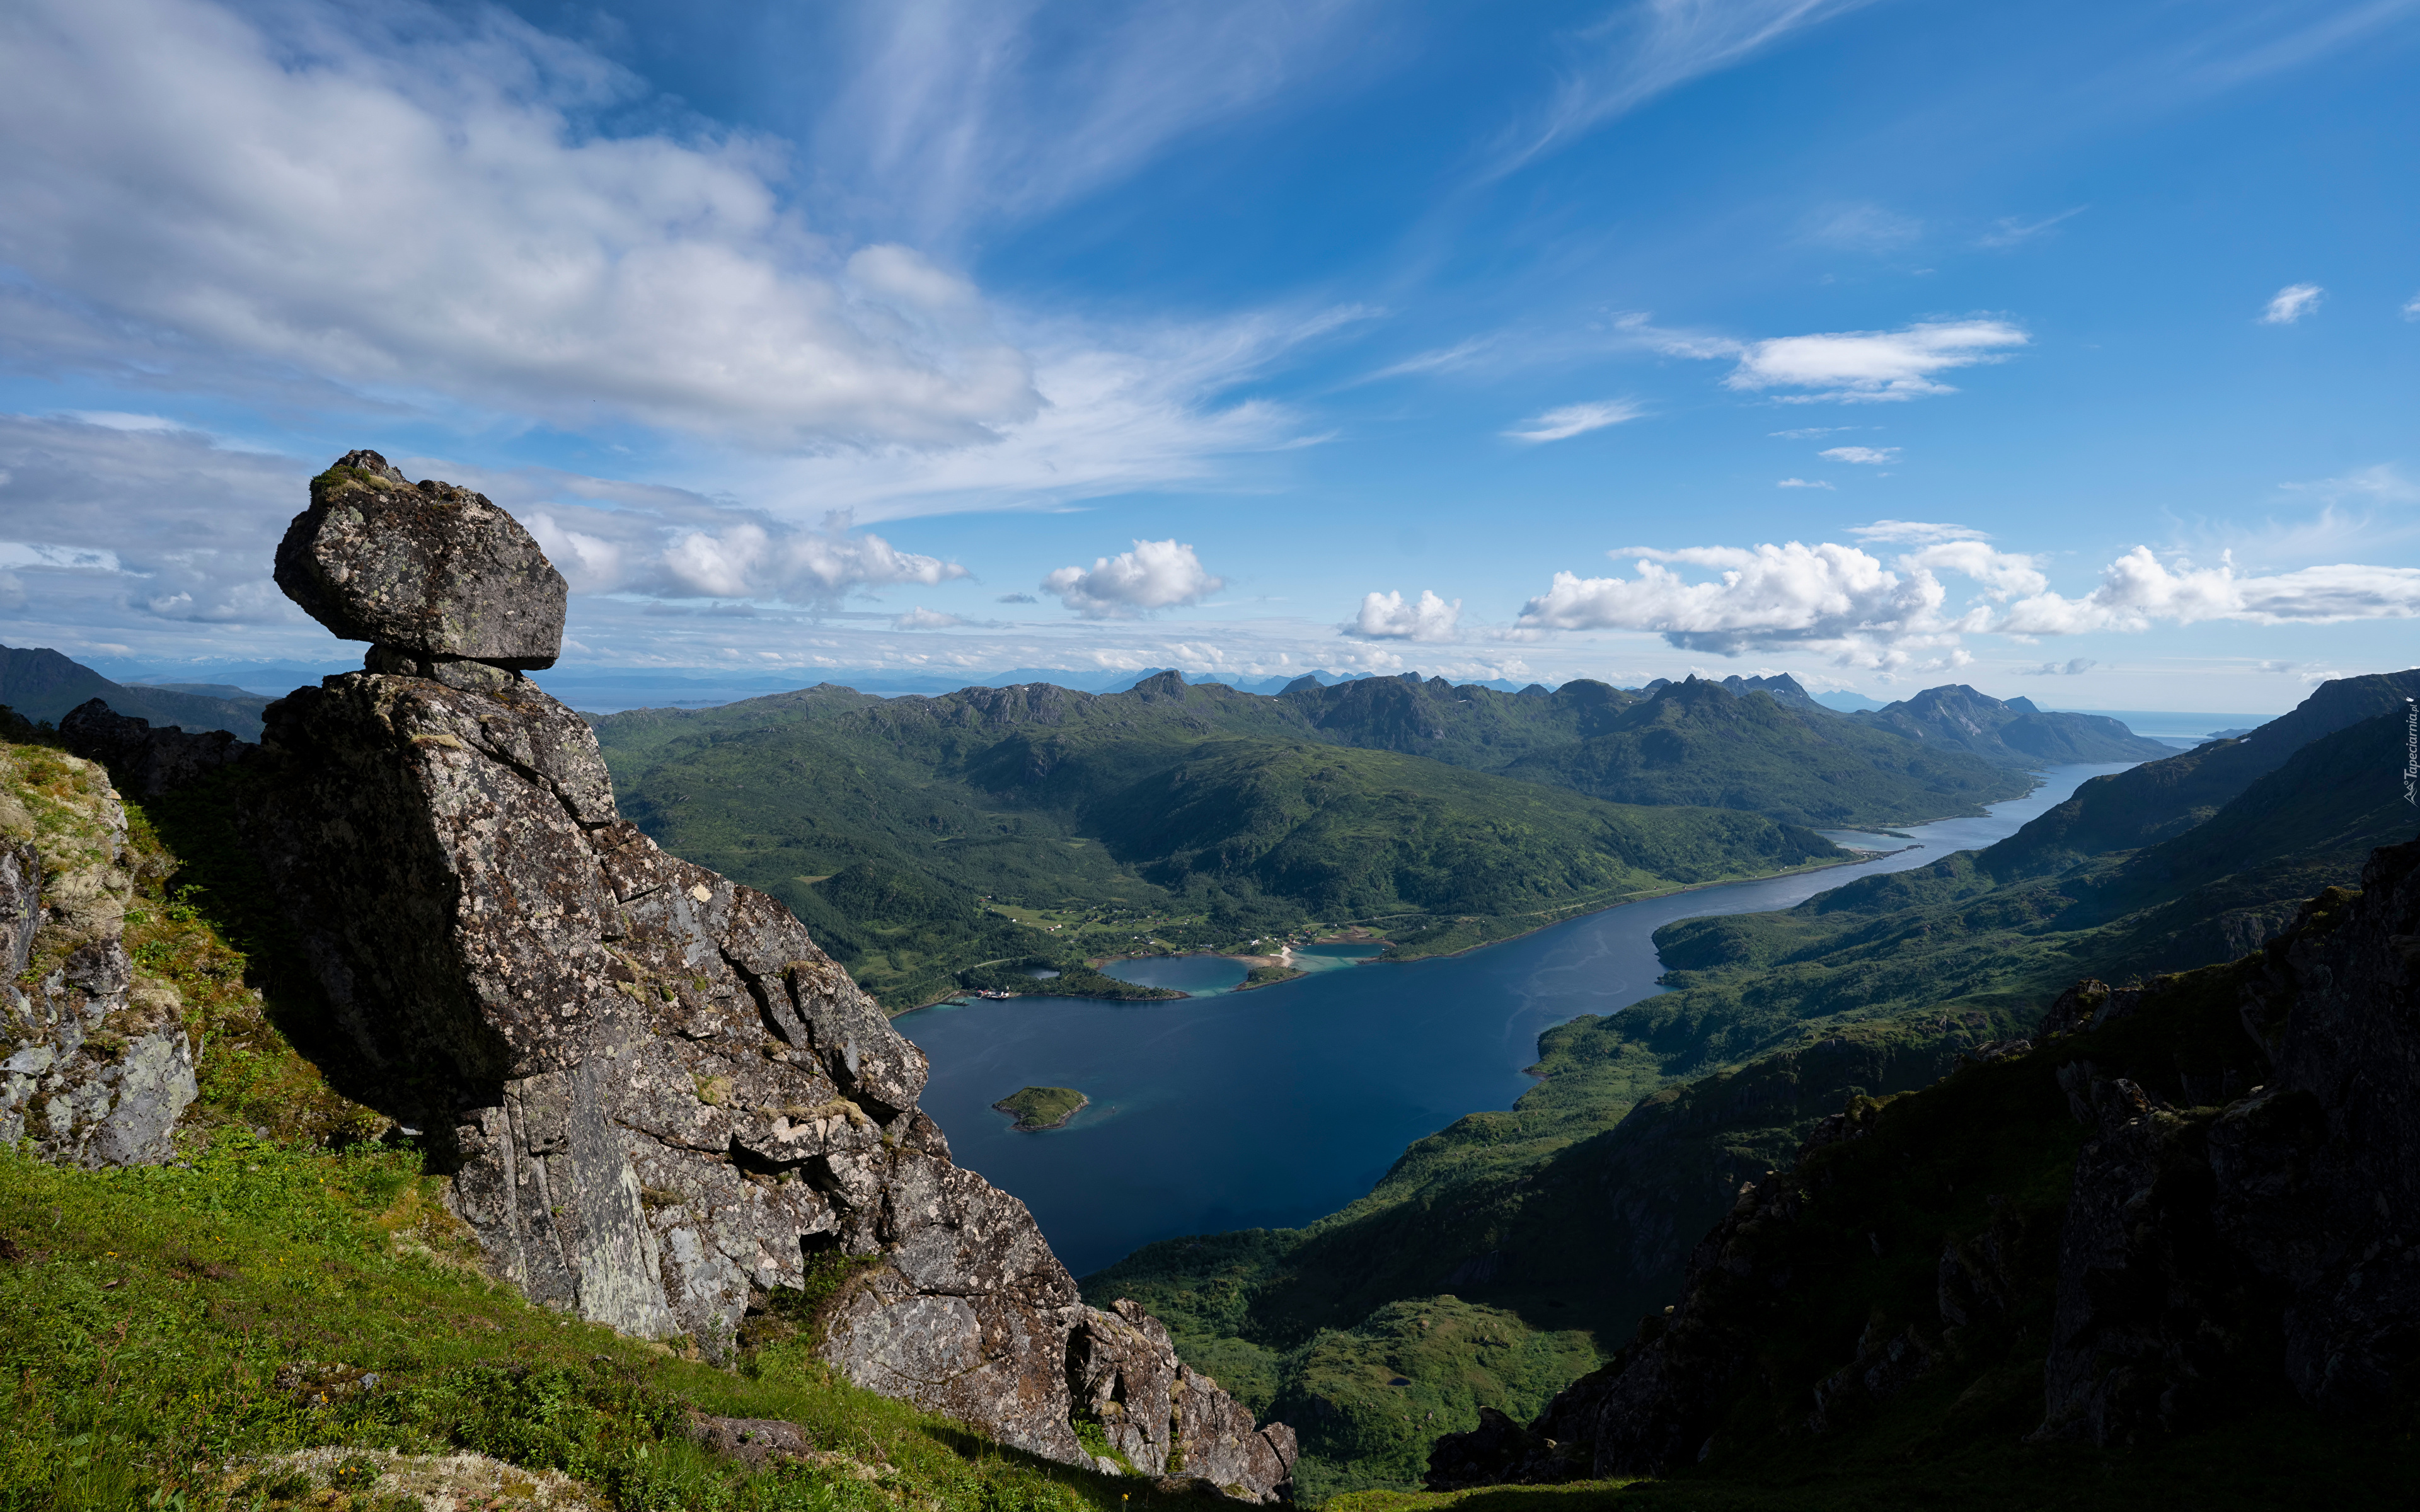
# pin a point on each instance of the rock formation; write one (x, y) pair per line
(659, 1100)
(96, 1068)
(430, 575)
(147, 762)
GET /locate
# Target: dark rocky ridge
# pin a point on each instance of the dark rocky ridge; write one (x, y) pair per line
(2238, 1226)
(658, 1099)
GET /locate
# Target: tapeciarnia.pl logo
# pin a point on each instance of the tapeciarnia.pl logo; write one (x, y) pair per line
(2411, 752)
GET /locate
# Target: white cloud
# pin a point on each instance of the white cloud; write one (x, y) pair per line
(2074, 666)
(1390, 617)
(713, 555)
(1651, 46)
(1808, 433)
(12, 592)
(1861, 366)
(1155, 575)
(410, 205)
(1017, 598)
(1803, 482)
(2013, 231)
(1575, 420)
(947, 114)
(1913, 532)
(2378, 483)
(2137, 591)
(2411, 308)
(2291, 303)
(1865, 455)
(1845, 603)
(921, 618)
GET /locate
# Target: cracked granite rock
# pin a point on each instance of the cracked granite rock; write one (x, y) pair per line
(428, 571)
(95, 1066)
(657, 1096)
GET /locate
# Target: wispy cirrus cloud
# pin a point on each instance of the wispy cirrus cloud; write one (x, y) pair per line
(1913, 532)
(1575, 420)
(2291, 303)
(1804, 483)
(1648, 48)
(1858, 366)
(1861, 455)
(2015, 231)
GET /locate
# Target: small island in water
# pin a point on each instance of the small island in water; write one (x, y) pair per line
(1037, 1109)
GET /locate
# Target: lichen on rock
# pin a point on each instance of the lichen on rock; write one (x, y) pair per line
(94, 1065)
(658, 1099)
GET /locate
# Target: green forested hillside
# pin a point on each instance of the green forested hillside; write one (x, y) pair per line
(1575, 1210)
(921, 837)
(1691, 742)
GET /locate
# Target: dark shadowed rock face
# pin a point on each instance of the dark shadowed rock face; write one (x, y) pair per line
(658, 1098)
(429, 570)
(147, 762)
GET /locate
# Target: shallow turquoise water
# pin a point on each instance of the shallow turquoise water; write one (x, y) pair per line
(1269, 1108)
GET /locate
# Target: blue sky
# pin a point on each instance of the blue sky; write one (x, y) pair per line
(2061, 349)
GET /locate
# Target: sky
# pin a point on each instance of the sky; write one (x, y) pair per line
(2064, 350)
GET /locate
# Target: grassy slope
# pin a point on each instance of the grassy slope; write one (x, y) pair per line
(920, 839)
(1991, 1150)
(1589, 1191)
(161, 1330)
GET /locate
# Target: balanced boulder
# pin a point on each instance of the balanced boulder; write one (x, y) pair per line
(427, 572)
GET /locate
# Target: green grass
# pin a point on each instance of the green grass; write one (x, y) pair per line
(1042, 1107)
(925, 841)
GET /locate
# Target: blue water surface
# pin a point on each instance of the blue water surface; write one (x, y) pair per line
(1271, 1107)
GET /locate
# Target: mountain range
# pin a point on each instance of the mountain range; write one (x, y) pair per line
(1546, 1231)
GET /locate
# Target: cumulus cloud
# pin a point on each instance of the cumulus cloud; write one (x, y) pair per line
(1574, 419)
(921, 618)
(1017, 598)
(1155, 575)
(2291, 304)
(2074, 666)
(1865, 455)
(1391, 617)
(1844, 602)
(1859, 367)
(638, 552)
(2411, 308)
(1913, 532)
(2138, 590)
(12, 592)
(1802, 483)
(414, 205)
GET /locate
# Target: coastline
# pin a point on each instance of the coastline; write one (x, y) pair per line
(1356, 934)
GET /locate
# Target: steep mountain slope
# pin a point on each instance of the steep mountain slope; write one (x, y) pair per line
(42, 684)
(1576, 1210)
(901, 829)
(2010, 733)
(2176, 1208)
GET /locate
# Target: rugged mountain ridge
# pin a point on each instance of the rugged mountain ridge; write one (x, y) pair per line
(40, 683)
(2010, 732)
(2226, 1223)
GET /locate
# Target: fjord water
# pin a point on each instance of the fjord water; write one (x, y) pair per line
(1269, 1108)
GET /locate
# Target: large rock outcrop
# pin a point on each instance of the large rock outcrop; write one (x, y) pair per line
(660, 1100)
(429, 572)
(94, 1065)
